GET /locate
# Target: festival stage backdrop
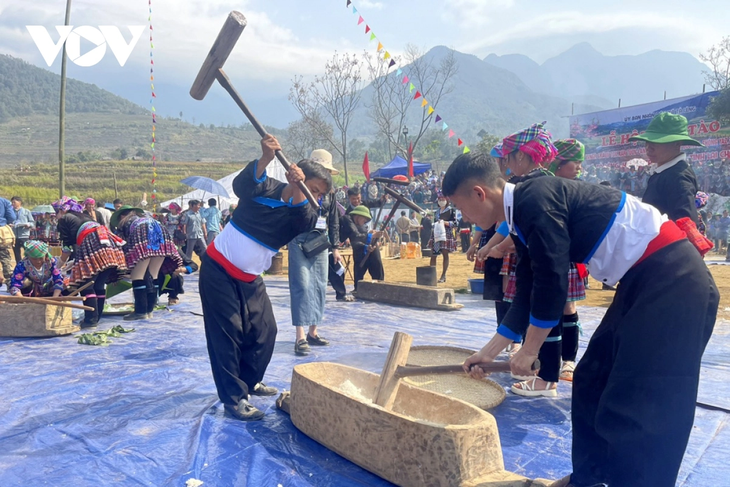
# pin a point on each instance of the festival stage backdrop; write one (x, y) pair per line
(606, 133)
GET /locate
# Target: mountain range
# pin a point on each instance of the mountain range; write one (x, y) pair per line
(498, 94)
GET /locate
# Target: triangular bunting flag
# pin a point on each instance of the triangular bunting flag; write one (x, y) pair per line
(380, 46)
(405, 79)
(354, 10)
(459, 142)
(424, 103)
(438, 118)
(372, 36)
(466, 150)
(418, 95)
(430, 110)
(451, 133)
(349, 2)
(400, 71)
(444, 127)
(411, 87)
(387, 55)
(360, 20)
(367, 29)
(392, 63)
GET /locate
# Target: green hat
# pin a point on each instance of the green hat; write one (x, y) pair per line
(569, 150)
(666, 128)
(114, 220)
(35, 249)
(362, 211)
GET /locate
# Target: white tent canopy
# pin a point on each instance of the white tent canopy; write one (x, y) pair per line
(273, 170)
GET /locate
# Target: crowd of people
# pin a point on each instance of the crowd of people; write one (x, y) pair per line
(538, 233)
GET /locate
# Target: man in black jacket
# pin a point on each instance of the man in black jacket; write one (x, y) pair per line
(635, 389)
(175, 283)
(673, 186)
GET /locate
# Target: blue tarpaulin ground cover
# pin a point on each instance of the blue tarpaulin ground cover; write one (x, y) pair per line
(143, 411)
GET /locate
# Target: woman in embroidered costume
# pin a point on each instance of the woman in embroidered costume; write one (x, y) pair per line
(97, 255)
(148, 250)
(567, 164)
(37, 274)
(521, 157)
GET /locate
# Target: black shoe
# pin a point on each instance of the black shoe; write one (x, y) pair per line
(262, 389)
(88, 324)
(301, 347)
(245, 411)
(443, 279)
(317, 341)
(135, 316)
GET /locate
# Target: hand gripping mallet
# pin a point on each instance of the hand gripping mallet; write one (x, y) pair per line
(212, 70)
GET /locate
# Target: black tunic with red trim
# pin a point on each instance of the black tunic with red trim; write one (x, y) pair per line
(557, 222)
(263, 216)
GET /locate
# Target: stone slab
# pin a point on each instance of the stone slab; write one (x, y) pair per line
(438, 298)
(35, 320)
(427, 439)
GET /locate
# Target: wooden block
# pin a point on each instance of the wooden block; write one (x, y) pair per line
(428, 297)
(427, 439)
(397, 356)
(35, 320)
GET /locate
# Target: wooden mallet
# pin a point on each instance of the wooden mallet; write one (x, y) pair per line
(212, 70)
(395, 368)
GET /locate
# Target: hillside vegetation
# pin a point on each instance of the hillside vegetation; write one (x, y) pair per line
(38, 183)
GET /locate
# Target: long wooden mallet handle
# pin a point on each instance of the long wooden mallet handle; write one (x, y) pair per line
(409, 371)
(212, 70)
(62, 304)
(226, 84)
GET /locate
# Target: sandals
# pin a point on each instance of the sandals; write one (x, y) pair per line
(566, 373)
(443, 279)
(347, 299)
(527, 388)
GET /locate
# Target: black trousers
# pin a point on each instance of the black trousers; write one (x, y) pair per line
(634, 390)
(240, 329)
(414, 236)
(373, 265)
(337, 281)
(465, 241)
(19, 244)
(173, 288)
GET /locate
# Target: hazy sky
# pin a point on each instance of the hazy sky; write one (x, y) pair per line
(288, 37)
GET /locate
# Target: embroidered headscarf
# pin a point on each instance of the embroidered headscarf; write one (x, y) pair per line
(174, 206)
(497, 151)
(67, 204)
(89, 201)
(701, 199)
(36, 249)
(534, 141)
(569, 150)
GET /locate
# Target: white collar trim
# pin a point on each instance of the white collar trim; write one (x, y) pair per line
(681, 157)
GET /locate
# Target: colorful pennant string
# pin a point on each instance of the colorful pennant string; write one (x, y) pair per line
(152, 110)
(430, 110)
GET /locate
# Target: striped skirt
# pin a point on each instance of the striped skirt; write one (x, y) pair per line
(93, 257)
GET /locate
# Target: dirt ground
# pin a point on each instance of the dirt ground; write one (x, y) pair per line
(461, 270)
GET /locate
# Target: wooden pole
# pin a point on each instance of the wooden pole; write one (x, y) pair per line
(62, 114)
(397, 356)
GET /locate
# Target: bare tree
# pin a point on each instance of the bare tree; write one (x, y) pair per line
(718, 57)
(334, 95)
(389, 105)
(392, 99)
(302, 137)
